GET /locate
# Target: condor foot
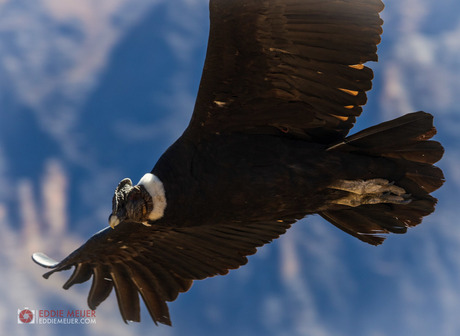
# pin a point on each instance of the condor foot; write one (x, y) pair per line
(370, 192)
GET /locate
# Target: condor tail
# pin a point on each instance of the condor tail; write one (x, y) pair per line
(405, 142)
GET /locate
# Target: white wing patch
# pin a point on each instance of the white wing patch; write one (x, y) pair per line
(155, 188)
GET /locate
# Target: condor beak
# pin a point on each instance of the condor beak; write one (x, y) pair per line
(113, 221)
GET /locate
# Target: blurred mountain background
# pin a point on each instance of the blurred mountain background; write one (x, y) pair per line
(92, 91)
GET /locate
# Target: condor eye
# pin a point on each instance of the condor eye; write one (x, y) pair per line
(133, 196)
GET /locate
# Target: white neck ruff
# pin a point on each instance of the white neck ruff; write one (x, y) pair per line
(155, 188)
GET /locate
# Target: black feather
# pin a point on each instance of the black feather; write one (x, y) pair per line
(81, 273)
(127, 295)
(100, 288)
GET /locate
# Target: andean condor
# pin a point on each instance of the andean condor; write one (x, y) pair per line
(267, 145)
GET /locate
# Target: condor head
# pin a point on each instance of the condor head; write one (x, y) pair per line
(144, 202)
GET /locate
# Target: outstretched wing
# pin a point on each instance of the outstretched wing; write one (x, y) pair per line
(287, 66)
(158, 262)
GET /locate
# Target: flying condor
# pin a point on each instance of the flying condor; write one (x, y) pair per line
(267, 145)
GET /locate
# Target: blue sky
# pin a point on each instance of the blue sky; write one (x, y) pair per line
(92, 92)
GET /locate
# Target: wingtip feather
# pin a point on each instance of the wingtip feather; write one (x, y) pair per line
(43, 260)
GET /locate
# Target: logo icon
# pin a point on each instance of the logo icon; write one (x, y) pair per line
(26, 316)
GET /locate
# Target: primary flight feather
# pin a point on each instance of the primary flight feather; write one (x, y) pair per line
(267, 145)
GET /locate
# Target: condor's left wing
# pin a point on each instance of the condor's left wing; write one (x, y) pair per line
(158, 262)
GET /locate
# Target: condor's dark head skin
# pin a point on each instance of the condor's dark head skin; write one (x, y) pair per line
(267, 145)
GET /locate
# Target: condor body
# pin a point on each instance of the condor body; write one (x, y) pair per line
(267, 145)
